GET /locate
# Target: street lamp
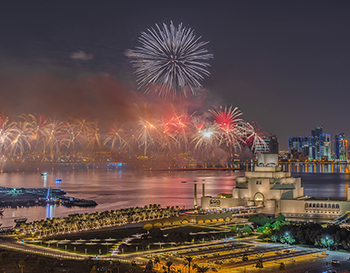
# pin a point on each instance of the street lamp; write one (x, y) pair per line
(327, 242)
(286, 235)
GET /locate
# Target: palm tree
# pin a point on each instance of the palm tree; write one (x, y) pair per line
(189, 260)
(149, 266)
(202, 269)
(169, 264)
(133, 266)
(282, 267)
(117, 264)
(21, 265)
(93, 269)
(156, 261)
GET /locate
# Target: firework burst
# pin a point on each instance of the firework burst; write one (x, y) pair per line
(231, 126)
(170, 60)
(255, 136)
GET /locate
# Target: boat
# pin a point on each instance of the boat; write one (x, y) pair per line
(183, 181)
(43, 174)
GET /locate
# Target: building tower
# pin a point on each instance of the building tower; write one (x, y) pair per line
(340, 146)
(273, 145)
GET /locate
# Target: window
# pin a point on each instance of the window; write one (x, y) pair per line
(321, 205)
(337, 206)
(317, 205)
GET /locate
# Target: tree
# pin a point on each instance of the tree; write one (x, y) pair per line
(156, 261)
(282, 267)
(168, 265)
(202, 269)
(189, 260)
(133, 266)
(234, 229)
(247, 229)
(281, 218)
(117, 264)
(260, 219)
(21, 265)
(149, 266)
(259, 264)
(93, 269)
(245, 258)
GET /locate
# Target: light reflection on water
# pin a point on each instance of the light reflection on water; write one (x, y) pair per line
(116, 189)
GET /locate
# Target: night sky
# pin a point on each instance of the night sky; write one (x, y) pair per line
(285, 64)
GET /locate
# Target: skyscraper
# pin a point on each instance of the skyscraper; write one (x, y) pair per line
(340, 147)
(316, 146)
(273, 145)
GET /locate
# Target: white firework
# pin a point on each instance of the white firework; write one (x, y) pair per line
(170, 59)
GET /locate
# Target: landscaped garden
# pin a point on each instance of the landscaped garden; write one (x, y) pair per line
(103, 242)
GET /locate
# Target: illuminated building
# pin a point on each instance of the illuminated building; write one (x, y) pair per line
(340, 147)
(316, 146)
(297, 143)
(275, 192)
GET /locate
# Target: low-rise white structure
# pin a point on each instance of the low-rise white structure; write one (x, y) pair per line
(276, 192)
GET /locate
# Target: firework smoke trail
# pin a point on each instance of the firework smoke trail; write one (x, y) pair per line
(170, 59)
(147, 133)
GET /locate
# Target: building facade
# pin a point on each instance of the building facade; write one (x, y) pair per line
(340, 147)
(276, 192)
(316, 146)
(273, 145)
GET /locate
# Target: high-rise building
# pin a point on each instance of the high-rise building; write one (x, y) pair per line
(317, 131)
(324, 146)
(340, 147)
(316, 146)
(273, 145)
(297, 143)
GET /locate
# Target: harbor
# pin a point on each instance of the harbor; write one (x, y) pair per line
(28, 197)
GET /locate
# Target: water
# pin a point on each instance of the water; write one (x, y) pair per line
(117, 189)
